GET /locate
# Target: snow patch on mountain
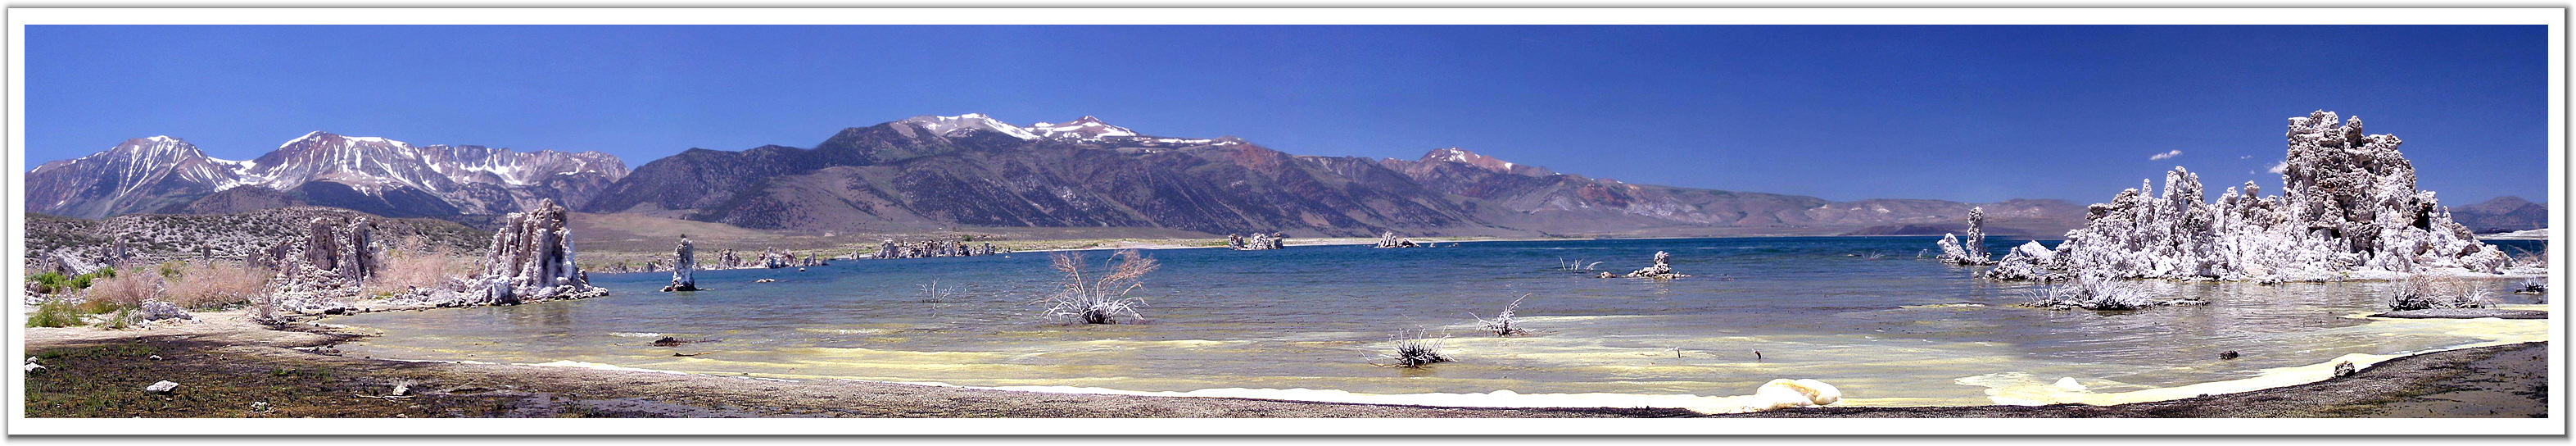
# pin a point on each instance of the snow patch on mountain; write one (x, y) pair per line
(943, 125)
(1085, 128)
(1462, 156)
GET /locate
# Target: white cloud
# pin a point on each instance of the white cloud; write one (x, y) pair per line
(2165, 155)
(2280, 166)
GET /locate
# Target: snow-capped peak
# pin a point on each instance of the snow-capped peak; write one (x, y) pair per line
(1458, 155)
(1462, 156)
(314, 135)
(1086, 128)
(325, 137)
(941, 125)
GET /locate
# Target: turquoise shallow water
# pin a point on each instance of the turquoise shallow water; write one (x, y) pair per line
(1319, 317)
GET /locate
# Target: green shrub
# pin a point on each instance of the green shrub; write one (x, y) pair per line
(50, 282)
(55, 314)
(82, 282)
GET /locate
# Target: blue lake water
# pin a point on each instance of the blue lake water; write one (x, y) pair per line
(1870, 315)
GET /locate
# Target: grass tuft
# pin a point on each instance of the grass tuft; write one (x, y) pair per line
(1418, 349)
(54, 314)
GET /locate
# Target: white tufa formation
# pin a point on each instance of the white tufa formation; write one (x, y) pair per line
(1662, 269)
(335, 254)
(1973, 252)
(531, 259)
(1259, 241)
(684, 267)
(2350, 210)
(1390, 240)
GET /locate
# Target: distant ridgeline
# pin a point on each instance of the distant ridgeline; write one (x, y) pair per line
(379, 176)
(2350, 209)
(937, 172)
(2502, 214)
(76, 245)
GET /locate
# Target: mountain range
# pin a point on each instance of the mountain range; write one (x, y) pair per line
(931, 173)
(2502, 214)
(934, 172)
(380, 176)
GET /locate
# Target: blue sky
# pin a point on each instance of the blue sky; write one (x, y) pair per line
(1969, 113)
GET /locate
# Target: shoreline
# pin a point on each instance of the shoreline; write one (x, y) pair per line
(226, 359)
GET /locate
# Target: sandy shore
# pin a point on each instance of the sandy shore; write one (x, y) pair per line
(226, 364)
(230, 367)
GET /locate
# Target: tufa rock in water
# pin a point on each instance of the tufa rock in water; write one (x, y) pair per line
(773, 258)
(1390, 240)
(2031, 260)
(531, 259)
(1972, 252)
(684, 267)
(928, 248)
(1662, 269)
(1259, 241)
(2350, 210)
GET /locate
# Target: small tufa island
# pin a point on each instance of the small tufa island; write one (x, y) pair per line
(531, 260)
(1259, 241)
(684, 267)
(1390, 240)
(1662, 269)
(2350, 211)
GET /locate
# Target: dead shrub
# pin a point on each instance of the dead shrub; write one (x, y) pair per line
(122, 291)
(1100, 300)
(413, 264)
(205, 284)
(2423, 291)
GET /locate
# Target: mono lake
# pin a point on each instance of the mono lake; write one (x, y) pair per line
(1894, 328)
